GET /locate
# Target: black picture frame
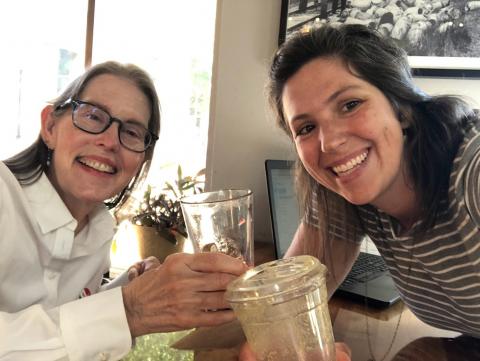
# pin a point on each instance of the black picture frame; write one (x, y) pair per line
(468, 67)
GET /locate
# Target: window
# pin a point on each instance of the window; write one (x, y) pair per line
(42, 50)
(172, 40)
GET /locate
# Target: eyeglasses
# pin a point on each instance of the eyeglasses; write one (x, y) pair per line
(94, 120)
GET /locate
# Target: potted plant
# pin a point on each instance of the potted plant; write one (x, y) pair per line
(158, 220)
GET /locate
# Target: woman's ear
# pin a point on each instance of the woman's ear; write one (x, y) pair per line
(47, 129)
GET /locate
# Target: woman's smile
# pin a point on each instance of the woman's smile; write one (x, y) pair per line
(96, 165)
(345, 168)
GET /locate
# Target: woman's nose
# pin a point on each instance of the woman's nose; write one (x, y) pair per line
(331, 137)
(109, 138)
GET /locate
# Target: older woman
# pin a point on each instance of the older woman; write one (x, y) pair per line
(95, 143)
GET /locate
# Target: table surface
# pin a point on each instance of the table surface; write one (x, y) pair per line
(374, 334)
(395, 334)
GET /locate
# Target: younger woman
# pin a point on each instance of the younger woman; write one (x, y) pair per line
(380, 158)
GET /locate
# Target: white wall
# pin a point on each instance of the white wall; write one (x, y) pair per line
(468, 88)
(242, 132)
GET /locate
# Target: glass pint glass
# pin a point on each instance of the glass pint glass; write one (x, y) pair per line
(282, 307)
(221, 221)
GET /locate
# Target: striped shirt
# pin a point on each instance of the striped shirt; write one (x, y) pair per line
(438, 273)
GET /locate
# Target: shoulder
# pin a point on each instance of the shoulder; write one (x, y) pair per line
(13, 199)
(466, 174)
(5, 172)
(8, 182)
(466, 159)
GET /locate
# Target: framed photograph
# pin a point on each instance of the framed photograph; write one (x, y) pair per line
(441, 37)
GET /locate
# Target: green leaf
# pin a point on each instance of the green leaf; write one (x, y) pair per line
(179, 172)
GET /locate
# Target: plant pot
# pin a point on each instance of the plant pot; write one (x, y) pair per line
(152, 242)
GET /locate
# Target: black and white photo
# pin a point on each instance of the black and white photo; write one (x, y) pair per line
(436, 34)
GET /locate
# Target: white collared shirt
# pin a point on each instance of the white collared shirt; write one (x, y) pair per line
(44, 268)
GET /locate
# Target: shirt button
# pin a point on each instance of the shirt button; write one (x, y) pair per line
(104, 356)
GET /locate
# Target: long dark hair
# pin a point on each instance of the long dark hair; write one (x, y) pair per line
(436, 125)
(29, 164)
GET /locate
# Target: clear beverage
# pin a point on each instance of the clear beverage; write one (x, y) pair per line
(282, 306)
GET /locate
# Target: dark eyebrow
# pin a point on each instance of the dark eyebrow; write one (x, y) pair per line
(299, 117)
(330, 99)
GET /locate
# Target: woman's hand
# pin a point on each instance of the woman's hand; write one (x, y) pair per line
(342, 352)
(181, 293)
(141, 267)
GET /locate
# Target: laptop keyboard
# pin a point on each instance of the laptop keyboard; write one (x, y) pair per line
(366, 267)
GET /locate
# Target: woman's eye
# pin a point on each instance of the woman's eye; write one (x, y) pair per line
(304, 130)
(133, 132)
(351, 105)
(92, 116)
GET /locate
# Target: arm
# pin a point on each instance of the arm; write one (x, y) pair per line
(177, 295)
(33, 326)
(91, 328)
(338, 256)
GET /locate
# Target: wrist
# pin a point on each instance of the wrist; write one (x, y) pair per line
(128, 305)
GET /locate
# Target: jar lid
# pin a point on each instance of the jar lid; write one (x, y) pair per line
(278, 281)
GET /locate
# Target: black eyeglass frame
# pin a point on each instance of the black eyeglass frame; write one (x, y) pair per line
(150, 141)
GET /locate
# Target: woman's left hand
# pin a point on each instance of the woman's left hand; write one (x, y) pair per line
(143, 266)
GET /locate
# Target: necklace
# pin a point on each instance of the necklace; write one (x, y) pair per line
(395, 332)
(369, 339)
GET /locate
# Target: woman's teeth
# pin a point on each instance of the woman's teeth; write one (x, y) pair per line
(352, 163)
(101, 167)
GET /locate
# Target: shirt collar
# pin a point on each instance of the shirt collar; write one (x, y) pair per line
(47, 206)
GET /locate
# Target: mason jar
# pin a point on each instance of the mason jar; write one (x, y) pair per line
(283, 309)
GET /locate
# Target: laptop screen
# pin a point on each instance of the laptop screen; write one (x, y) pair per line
(284, 209)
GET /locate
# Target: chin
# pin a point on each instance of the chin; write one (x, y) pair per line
(360, 200)
(96, 198)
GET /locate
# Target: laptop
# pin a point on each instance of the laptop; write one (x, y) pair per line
(369, 268)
